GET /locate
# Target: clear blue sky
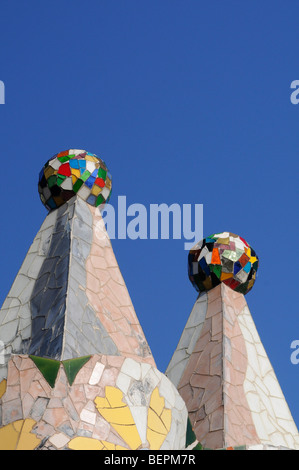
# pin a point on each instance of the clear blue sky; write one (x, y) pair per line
(187, 102)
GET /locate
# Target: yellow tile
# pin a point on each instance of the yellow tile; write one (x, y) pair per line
(91, 159)
(114, 397)
(18, 425)
(155, 423)
(225, 276)
(252, 259)
(101, 402)
(108, 183)
(27, 440)
(157, 403)
(158, 421)
(85, 443)
(3, 384)
(75, 172)
(8, 438)
(96, 190)
(129, 434)
(110, 446)
(49, 171)
(118, 414)
(155, 439)
(223, 241)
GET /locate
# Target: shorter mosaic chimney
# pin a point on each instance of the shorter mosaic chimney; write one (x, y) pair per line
(78, 372)
(220, 366)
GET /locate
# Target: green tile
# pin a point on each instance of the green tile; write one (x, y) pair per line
(60, 179)
(85, 175)
(51, 181)
(77, 185)
(48, 367)
(72, 367)
(216, 269)
(64, 159)
(255, 265)
(198, 447)
(99, 200)
(242, 288)
(190, 434)
(102, 173)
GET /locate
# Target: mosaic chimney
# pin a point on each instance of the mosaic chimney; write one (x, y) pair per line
(220, 366)
(78, 372)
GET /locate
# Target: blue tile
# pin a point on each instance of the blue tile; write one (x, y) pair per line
(247, 267)
(74, 164)
(91, 200)
(237, 267)
(90, 182)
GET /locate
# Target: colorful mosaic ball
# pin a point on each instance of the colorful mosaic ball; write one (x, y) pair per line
(74, 172)
(223, 257)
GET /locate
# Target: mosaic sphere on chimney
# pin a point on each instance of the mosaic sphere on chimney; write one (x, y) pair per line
(74, 172)
(223, 258)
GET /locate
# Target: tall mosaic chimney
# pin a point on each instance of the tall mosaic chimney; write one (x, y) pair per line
(76, 371)
(220, 366)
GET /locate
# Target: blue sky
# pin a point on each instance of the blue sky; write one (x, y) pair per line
(187, 102)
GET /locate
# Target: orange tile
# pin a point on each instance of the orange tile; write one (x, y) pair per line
(215, 257)
(225, 276)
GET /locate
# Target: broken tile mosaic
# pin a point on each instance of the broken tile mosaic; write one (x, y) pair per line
(74, 172)
(223, 257)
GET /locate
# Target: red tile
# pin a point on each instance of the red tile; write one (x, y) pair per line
(65, 170)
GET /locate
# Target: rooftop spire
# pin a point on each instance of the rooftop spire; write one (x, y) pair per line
(220, 366)
(78, 372)
(69, 298)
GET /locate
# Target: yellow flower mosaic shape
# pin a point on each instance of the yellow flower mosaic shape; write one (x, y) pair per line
(158, 421)
(118, 414)
(18, 436)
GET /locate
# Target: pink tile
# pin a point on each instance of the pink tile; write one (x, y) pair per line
(12, 392)
(13, 375)
(26, 377)
(115, 361)
(27, 403)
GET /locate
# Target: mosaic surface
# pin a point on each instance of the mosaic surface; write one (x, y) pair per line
(78, 373)
(223, 257)
(74, 172)
(69, 298)
(90, 403)
(223, 374)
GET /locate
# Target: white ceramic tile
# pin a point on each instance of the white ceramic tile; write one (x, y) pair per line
(131, 368)
(96, 373)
